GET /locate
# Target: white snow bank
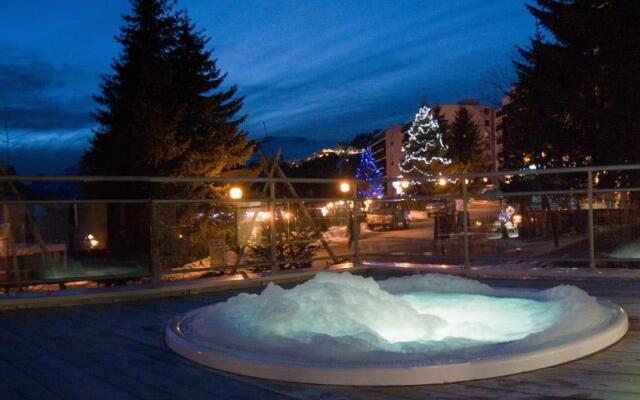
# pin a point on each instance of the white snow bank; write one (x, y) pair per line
(629, 250)
(343, 318)
(337, 233)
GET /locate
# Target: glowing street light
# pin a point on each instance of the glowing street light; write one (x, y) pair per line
(235, 193)
(404, 184)
(345, 187)
(442, 181)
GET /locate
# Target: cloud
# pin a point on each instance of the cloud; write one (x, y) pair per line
(53, 152)
(347, 78)
(36, 95)
(46, 116)
(32, 161)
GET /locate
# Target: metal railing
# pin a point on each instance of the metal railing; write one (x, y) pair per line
(50, 223)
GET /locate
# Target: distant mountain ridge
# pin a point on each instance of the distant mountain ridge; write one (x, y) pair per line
(67, 161)
(293, 147)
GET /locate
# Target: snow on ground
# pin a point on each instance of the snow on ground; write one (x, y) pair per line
(344, 318)
(338, 233)
(629, 250)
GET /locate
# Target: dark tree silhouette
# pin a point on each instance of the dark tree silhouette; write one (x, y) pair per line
(578, 86)
(163, 111)
(465, 143)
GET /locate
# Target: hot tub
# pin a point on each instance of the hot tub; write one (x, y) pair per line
(343, 329)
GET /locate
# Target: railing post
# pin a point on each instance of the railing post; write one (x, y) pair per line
(592, 245)
(465, 222)
(272, 226)
(154, 266)
(355, 228)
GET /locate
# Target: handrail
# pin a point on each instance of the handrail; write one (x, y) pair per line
(269, 199)
(206, 179)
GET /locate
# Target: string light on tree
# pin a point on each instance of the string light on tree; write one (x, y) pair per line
(368, 171)
(424, 153)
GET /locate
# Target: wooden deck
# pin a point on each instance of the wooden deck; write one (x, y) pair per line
(117, 351)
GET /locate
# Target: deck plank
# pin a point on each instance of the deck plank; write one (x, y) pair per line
(118, 351)
(40, 362)
(144, 336)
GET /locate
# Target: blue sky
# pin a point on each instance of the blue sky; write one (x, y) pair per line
(319, 69)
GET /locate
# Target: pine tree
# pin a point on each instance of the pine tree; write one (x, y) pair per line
(466, 145)
(207, 114)
(575, 99)
(367, 171)
(163, 112)
(462, 137)
(424, 153)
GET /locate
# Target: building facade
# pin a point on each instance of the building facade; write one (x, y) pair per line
(386, 146)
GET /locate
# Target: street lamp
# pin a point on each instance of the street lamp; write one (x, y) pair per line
(442, 181)
(345, 187)
(236, 194)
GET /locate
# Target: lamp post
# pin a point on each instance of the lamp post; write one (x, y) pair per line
(235, 193)
(346, 188)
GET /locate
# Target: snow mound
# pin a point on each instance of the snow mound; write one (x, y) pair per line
(336, 234)
(344, 318)
(629, 250)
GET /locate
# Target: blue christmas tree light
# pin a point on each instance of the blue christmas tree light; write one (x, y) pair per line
(367, 171)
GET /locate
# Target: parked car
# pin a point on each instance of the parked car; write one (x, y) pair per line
(392, 214)
(440, 206)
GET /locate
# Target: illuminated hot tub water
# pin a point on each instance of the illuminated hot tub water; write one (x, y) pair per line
(348, 330)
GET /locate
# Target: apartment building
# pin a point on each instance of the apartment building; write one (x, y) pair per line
(386, 146)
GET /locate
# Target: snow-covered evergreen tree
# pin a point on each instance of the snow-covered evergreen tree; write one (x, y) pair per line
(424, 153)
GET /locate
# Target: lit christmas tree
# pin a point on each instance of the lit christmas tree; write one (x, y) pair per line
(424, 153)
(367, 171)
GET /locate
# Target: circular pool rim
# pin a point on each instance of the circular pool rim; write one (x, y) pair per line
(382, 374)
